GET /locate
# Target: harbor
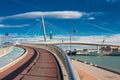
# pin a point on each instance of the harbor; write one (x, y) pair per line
(84, 66)
(59, 40)
(90, 72)
(79, 61)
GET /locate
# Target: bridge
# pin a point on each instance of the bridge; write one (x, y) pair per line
(70, 41)
(62, 42)
(76, 43)
(40, 62)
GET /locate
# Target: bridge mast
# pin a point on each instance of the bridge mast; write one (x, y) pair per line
(44, 30)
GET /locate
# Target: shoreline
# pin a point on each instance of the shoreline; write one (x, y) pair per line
(95, 65)
(90, 72)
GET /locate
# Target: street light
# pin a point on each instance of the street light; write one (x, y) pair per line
(75, 31)
(6, 37)
(51, 36)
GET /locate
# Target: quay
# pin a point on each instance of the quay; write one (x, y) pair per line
(89, 72)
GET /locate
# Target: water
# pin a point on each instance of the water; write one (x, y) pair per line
(11, 56)
(110, 62)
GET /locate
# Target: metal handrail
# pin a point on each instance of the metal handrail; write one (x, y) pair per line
(70, 69)
(63, 59)
(71, 72)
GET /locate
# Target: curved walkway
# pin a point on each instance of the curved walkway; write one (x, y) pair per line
(44, 69)
(36, 64)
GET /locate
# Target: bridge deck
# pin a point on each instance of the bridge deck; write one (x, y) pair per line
(37, 64)
(44, 69)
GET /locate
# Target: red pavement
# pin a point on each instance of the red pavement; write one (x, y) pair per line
(43, 66)
(44, 69)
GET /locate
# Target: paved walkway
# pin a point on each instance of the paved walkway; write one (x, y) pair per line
(35, 64)
(44, 69)
(88, 72)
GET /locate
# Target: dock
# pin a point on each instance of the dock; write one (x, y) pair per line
(89, 72)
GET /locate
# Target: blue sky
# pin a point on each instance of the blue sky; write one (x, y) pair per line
(89, 17)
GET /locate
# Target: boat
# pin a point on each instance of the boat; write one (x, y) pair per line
(111, 52)
(96, 53)
(69, 52)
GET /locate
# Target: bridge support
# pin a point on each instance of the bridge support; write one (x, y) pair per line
(98, 49)
(44, 30)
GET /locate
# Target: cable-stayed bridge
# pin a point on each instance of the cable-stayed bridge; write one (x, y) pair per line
(37, 29)
(75, 43)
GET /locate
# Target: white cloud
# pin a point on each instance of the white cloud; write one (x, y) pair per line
(111, 39)
(94, 14)
(91, 18)
(1, 25)
(53, 14)
(91, 15)
(14, 26)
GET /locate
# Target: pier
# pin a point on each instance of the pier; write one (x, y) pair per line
(90, 72)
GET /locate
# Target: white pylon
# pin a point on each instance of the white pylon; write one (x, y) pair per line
(44, 30)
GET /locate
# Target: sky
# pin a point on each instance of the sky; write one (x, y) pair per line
(94, 18)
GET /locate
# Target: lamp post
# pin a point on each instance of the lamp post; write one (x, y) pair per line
(51, 36)
(6, 37)
(70, 43)
(75, 31)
